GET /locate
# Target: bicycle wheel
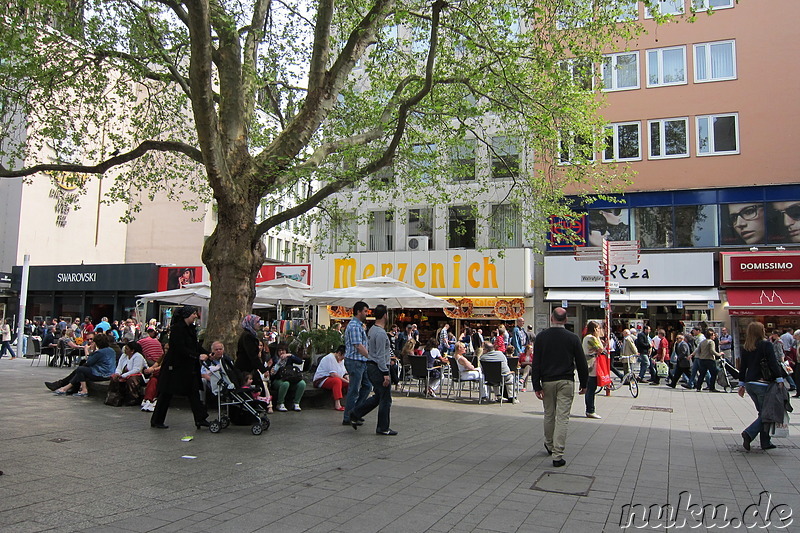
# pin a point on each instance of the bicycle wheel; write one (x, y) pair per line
(633, 385)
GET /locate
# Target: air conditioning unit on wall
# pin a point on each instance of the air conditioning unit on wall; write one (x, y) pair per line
(417, 243)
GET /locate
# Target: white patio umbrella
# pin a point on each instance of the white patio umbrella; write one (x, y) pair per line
(198, 294)
(283, 291)
(380, 290)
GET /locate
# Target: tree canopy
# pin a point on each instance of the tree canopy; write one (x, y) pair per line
(304, 103)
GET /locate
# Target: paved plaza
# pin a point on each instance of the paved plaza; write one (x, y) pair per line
(73, 464)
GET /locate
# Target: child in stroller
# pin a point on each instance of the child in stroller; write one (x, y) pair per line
(265, 401)
(228, 384)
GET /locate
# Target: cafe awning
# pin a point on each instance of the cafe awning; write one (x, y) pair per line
(771, 301)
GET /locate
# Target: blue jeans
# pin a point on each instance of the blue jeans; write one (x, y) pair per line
(693, 378)
(707, 365)
(7, 346)
(382, 399)
(757, 392)
(591, 387)
(644, 364)
(359, 388)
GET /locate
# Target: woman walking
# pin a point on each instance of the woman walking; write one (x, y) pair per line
(757, 348)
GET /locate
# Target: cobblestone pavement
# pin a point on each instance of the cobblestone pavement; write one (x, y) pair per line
(74, 464)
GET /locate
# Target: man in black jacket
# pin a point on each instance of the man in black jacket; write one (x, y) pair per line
(558, 354)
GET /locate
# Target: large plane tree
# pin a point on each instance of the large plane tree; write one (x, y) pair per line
(274, 108)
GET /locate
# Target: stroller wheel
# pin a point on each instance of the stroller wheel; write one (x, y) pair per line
(257, 429)
(224, 422)
(214, 426)
(265, 423)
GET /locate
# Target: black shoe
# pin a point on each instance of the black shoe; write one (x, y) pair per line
(355, 422)
(159, 426)
(559, 462)
(51, 385)
(547, 449)
(769, 446)
(345, 422)
(202, 423)
(671, 386)
(746, 440)
(387, 432)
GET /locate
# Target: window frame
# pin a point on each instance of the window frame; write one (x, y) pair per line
(660, 55)
(705, 7)
(707, 55)
(615, 140)
(498, 158)
(649, 15)
(571, 149)
(469, 147)
(714, 152)
(662, 142)
(571, 64)
(614, 82)
(474, 218)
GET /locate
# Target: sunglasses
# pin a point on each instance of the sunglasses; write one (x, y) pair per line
(793, 212)
(751, 212)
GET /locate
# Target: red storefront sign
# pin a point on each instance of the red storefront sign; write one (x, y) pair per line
(301, 273)
(776, 301)
(176, 277)
(754, 268)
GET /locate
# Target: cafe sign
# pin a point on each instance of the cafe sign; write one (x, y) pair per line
(438, 272)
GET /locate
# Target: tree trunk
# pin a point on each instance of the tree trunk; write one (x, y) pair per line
(233, 257)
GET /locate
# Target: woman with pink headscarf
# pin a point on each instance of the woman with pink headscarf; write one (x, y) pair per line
(248, 355)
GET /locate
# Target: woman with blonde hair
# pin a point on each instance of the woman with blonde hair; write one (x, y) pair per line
(757, 348)
(592, 347)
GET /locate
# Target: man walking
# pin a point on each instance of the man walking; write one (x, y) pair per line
(355, 360)
(519, 337)
(705, 354)
(380, 351)
(558, 354)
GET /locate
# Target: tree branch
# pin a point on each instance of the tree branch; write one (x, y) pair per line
(250, 66)
(100, 168)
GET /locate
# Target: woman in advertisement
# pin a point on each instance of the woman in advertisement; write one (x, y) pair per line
(746, 223)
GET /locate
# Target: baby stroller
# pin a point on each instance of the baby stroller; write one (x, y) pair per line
(724, 374)
(238, 404)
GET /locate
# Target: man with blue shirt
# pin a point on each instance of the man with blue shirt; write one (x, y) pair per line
(519, 337)
(355, 361)
(100, 364)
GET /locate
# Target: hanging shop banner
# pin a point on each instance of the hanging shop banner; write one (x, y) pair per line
(749, 268)
(773, 301)
(301, 273)
(456, 273)
(653, 270)
(177, 277)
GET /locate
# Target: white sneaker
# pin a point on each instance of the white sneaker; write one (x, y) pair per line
(297, 407)
(146, 405)
(593, 415)
(281, 407)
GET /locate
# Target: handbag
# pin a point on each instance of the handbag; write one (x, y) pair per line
(780, 430)
(291, 374)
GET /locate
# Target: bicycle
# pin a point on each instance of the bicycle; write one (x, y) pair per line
(630, 379)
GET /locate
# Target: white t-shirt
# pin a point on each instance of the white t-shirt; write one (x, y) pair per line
(327, 365)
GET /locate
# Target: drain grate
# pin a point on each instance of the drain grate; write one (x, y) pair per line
(59, 440)
(651, 408)
(722, 428)
(574, 484)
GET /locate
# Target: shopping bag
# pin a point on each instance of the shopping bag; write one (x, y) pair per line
(780, 430)
(603, 370)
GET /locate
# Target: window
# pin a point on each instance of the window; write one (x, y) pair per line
(621, 71)
(652, 226)
(669, 138)
(505, 156)
(667, 7)
(625, 9)
(580, 71)
(705, 5)
(420, 223)
(463, 160)
(695, 226)
(718, 134)
(574, 149)
(715, 61)
(666, 66)
(381, 231)
(505, 230)
(622, 142)
(425, 156)
(344, 235)
(461, 228)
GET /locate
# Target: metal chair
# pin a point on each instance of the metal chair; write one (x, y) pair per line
(494, 376)
(455, 379)
(419, 371)
(513, 365)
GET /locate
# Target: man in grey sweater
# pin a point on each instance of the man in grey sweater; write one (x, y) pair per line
(379, 350)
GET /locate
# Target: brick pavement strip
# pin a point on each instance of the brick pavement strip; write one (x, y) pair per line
(75, 464)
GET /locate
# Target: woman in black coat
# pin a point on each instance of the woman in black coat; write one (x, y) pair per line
(248, 352)
(757, 347)
(180, 369)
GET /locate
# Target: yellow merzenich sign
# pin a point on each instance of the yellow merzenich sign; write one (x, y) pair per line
(477, 274)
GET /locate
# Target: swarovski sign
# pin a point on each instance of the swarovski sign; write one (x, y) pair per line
(76, 277)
